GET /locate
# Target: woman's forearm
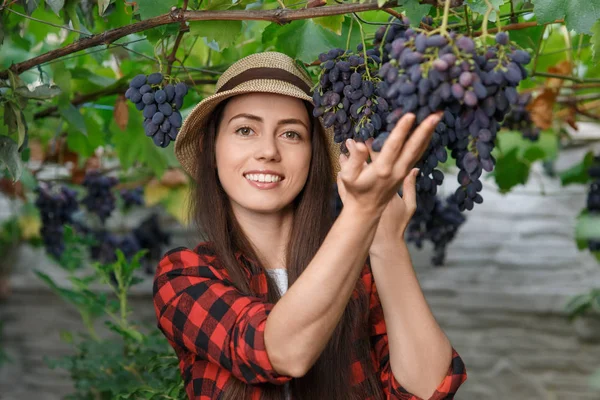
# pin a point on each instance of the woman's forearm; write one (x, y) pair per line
(420, 352)
(303, 320)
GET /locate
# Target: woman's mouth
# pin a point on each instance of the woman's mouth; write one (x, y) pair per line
(263, 181)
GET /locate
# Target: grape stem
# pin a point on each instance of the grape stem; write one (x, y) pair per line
(362, 37)
(444, 27)
(486, 17)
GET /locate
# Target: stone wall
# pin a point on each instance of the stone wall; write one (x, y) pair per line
(500, 299)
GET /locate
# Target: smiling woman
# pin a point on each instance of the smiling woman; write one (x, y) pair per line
(264, 168)
(254, 145)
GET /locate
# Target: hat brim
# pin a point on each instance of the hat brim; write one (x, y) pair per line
(187, 145)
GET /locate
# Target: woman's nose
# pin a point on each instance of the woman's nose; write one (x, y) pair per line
(267, 148)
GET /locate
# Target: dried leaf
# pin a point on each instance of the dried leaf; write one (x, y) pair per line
(174, 177)
(121, 112)
(542, 107)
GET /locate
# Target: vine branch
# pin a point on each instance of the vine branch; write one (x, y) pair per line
(117, 88)
(182, 30)
(279, 16)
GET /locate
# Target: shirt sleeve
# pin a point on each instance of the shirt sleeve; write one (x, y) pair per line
(199, 311)
(392, 389)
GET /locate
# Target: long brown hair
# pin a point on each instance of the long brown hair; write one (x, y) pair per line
(330, 377)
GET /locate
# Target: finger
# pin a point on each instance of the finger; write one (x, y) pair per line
(372, 153)
(409, 190)
(416, 144)
(358, 156)
(395, 142)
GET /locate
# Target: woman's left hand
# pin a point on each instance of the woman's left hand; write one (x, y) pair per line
(396, 215)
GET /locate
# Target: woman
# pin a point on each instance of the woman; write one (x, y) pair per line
(263, 168)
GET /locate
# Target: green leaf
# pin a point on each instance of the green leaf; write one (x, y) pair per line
(578, 173)
(303, 39)
(510, 171)
(42, 92)
(596, 41)
(152, 8)
(102, 6)
(73, 117)
(333, 23)
(9, 156)
(587, 226)
(31, 6)
(21, 124)
(579, 15)
(534, 153)
(219, 34)
(415, 11)
(56, 5)
(480, 6)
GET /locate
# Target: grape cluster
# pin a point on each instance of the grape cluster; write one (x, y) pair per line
(440, 226)
(132, 197)
(99, 199)
(593, 199)
(160, 104)
(57, 206)
(519, 119)
(474, 87)
(347, 97)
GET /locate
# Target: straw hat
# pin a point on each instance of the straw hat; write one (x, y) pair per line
(268, 72)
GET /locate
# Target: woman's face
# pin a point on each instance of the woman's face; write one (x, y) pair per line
(263, 151)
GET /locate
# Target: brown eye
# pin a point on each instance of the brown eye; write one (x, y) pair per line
(292, 135)
(244, 131)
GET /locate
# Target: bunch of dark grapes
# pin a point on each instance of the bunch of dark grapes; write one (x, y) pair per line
(132, 197)
(106, 245)
(593, 199)
(150, 236)
(474, 87)
(519, 119)
(160, 104)
(347, 97)
(440, 226)
(56, 206)
(99, 199)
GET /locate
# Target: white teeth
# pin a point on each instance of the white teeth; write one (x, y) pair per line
(263, 178)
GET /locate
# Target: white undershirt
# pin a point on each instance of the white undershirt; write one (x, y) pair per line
(281, 278)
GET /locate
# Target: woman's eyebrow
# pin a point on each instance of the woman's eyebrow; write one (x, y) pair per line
(259, 119)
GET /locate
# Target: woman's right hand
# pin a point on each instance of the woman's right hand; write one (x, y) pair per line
(368, 187)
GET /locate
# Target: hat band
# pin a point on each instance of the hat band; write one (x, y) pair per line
(266, 73)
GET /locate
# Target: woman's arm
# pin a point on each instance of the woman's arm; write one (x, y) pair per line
(419, 352)
(303, 320)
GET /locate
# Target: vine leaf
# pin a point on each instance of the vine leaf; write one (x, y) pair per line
(21, 124)
(56, 5)
(152, 8)
(578, 173)
(73, 117)
(587, 226)
(333, 23)
(102, 6)
(303, 39)
(31, 6)
(219, 34)
(9, 156)
(579, 15)
(479, 6)
(41, 92)
(511, 170)
(596, 41)
(415, 11)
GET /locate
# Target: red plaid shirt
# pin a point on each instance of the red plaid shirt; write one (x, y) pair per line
(218, 332)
